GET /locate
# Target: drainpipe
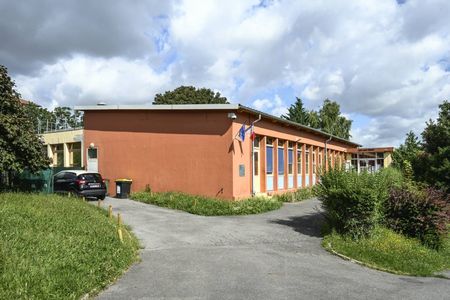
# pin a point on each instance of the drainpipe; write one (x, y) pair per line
(253, 157)
(326, 150)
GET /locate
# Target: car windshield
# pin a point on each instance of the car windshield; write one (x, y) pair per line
(91, 177)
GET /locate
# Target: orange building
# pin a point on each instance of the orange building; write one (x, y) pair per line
(196, 149)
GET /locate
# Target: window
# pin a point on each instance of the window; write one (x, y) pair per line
(256, 141)
(320, 159)
(58, 155)
(307, 161)
(290, 161)
(314, 166)
(269, 159)
(380, 155)
(299, 159)
(256, 163)
(75, 154)
(92, 153)
(280, 157)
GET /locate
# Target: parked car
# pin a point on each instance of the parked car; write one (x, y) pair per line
(82, 183)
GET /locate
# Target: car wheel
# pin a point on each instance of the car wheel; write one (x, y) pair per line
(102, 197)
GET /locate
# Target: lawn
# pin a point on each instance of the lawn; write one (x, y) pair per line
(392, 252)
(207, 206)
(54, 247)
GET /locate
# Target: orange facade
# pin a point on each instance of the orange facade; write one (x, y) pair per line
(195, 151)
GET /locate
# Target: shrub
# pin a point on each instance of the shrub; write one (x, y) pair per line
(298, 195)
(206, 206)
(420, 214)
(349, 201)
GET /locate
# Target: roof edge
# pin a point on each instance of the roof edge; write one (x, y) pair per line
(160, 107)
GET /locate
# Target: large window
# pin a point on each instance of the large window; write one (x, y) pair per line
(58, 155)
(307, 160)
(269, 156)
(75, 154)
(256, 163)
(299, 159)
(314, 166)
(280, 157)
(290, 159)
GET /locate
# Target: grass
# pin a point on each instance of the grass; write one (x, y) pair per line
(392, 252)
(296, 196)
(207, 206)
(54, 247)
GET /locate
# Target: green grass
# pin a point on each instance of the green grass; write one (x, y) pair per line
(392, 252)
(207, 206)
(296, 196)
(54, 247)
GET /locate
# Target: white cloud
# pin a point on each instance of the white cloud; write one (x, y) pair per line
(87, 80)
(378, 59)
(276, 107)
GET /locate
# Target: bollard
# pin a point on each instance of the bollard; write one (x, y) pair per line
(119, 220)
(110, 211)
(99, 203)
(119, 231)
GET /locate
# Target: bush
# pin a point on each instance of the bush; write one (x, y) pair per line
(420, 214)
(207, 206)
(349, 201)
(298, 195)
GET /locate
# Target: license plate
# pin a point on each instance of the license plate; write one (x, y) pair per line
(94, 185)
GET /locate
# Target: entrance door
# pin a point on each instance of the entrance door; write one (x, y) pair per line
(256, 172)
(92, 160)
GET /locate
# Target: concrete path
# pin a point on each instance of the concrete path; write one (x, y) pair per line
(276, 255)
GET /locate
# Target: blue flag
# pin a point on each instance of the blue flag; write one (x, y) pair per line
(241, 133)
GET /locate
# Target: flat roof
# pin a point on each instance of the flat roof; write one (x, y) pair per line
(235, 107)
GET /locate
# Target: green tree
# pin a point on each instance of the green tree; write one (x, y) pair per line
(407, 152)
(332, 121)
(65, 117)
(20, 146)
(190, 95)
(297, 113)
(436, 145)
(328, 119)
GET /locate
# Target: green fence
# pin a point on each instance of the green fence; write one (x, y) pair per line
(41, 182)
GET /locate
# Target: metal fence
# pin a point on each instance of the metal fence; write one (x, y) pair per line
(40, 182)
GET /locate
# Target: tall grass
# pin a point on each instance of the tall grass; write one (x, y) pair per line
(54, 247)
(207, 206)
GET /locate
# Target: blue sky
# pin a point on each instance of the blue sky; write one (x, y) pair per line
(385, 62)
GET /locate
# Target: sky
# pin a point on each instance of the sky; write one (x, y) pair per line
(386, 62)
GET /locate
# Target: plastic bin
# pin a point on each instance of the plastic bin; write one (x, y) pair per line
(123, 188)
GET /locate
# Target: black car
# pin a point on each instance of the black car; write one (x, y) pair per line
(82, 183)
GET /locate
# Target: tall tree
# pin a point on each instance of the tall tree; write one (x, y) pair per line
(20, 146)
(332, 121)
(436, 145)
(405, 156)
(297, 113)
(328, 118)
(190, 95)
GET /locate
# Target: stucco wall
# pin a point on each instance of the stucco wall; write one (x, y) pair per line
(242, 151)
(187, 151)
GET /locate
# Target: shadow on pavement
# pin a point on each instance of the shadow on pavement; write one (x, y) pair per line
(310, 224)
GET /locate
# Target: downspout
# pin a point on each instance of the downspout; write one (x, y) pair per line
(326, 151)
(253, 158)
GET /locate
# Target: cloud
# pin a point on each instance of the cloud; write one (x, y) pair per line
(275, 107)
(88, 80)
(383, 62)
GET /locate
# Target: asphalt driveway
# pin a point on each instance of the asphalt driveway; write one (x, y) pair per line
(276, 255)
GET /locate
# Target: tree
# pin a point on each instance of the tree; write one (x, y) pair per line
(407, 153)
(20, 146)
(297, 113)
(327, 119)
(332, 121)
(190, 95)
(436, 145)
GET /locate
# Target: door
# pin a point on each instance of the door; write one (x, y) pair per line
(92, 160)
(256, 172)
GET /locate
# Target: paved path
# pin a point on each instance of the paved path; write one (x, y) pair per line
(276, 255)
